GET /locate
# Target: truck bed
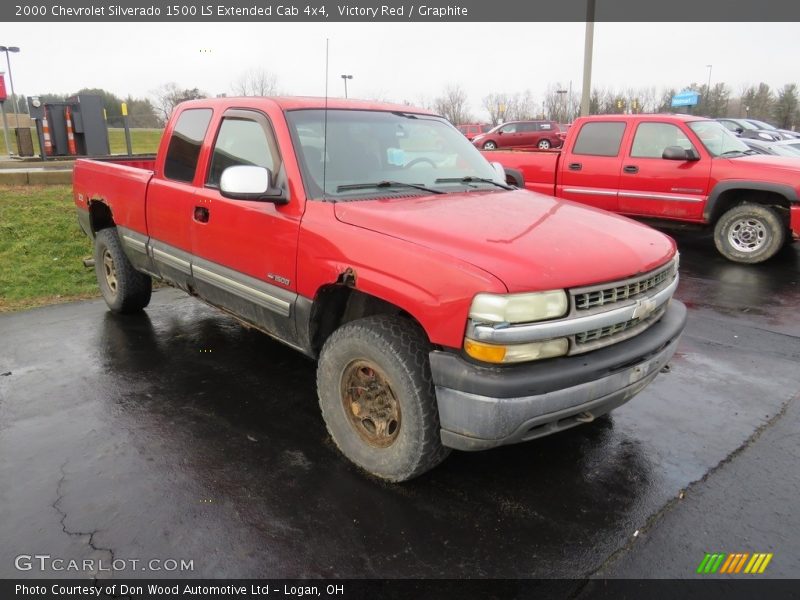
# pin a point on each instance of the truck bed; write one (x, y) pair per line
(120, 183)
(536, 167)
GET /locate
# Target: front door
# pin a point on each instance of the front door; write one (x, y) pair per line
(245, 251)
(650, 185)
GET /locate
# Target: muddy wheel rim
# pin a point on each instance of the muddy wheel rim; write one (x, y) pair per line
(110, 272)
(748, 235)
(370, 404)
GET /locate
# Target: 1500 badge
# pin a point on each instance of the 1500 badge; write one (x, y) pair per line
(278, 279)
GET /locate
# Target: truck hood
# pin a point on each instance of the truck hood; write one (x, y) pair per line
(777, 169)
(529, 241)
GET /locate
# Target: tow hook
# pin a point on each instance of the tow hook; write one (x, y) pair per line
(584, 417)
(88, 262)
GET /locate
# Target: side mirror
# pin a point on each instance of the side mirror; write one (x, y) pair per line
(678, 153)
(500, 172)
(739, 130)
(246, 182)
(500, 132)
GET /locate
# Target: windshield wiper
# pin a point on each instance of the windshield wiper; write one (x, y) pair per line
(386, 184)
(732, 153)
(470, 179)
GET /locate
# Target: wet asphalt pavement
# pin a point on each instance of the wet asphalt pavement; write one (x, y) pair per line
(178, 434)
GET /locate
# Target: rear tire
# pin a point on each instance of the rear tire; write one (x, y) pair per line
(377, 397)
(124, 289)
(749, 233)
(544, 145)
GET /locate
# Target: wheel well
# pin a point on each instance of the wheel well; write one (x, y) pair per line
(338, 304)
(514, 177)
(730, 198)
(100, 216)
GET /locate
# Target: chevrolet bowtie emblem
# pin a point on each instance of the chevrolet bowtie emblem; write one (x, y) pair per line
(643, 308)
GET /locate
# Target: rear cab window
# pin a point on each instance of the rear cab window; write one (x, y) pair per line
(599, 139)
(184, 147)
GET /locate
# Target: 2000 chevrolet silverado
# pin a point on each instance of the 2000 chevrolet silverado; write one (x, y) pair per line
(672, 168)
(447, 310)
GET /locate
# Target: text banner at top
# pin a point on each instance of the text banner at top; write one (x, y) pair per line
(401, 10)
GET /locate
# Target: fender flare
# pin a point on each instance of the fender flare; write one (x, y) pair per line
(714, 201)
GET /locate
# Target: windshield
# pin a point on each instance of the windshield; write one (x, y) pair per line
(718, 140)
(377, 153)
(762, 125)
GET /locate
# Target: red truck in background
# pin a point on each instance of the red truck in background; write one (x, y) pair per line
(671, 168)
(446, 309)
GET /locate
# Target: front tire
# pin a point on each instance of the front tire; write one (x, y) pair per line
(124, 289)
(377, 397)
(749, 233)
(490, 145)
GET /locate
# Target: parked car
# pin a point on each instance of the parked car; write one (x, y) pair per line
(470, 130)
(780, 148)
(671, 168)
(787, 134)
(521, 134)
(446, 309)
(743, 128)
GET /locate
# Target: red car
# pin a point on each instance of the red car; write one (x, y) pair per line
(672, 168)
(521, 134)
(470, 130)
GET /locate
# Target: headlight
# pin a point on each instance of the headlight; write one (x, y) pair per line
(514, 353)
(519, 308)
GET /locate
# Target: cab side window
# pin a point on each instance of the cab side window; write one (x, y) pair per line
(242, 141)
(599, 139)
(651, 139)
(185, 143)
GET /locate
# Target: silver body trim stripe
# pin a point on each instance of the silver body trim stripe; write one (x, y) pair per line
(654, 196)
(172, 260)
(134, 244)
(553, 329)
(591, 191)
(268, 301)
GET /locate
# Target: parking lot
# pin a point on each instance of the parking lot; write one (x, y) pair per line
(178, 434)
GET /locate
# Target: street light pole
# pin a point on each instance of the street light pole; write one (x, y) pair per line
(345, 78)
(562, 93)
(708, 88)
(8, 49)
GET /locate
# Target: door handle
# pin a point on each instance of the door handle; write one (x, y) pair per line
(575, 166)
(630, 169)
(201, 214)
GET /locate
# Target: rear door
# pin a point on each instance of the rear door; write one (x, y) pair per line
(171, 198)
(653, 186)
(589, 171)
(245, 251)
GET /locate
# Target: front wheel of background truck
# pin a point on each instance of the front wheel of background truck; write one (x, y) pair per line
(749, 233)
(124, 289)
(377, 397)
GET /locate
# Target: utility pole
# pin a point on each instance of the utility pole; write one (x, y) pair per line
(588, 43)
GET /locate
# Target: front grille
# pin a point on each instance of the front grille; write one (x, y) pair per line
(627, 290)
(604, 336)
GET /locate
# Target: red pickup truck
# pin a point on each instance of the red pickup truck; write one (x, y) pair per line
(445, 308)
(672, 168)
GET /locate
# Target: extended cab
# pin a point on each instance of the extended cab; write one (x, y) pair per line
(672, 168)
(446, 309)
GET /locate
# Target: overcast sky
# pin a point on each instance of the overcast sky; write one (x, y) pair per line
(403, 61)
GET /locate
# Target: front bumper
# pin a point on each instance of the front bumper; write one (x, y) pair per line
(484, 407)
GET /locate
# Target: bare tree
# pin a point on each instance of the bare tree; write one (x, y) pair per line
(169, 95)
(256, 82)
(452, 104)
